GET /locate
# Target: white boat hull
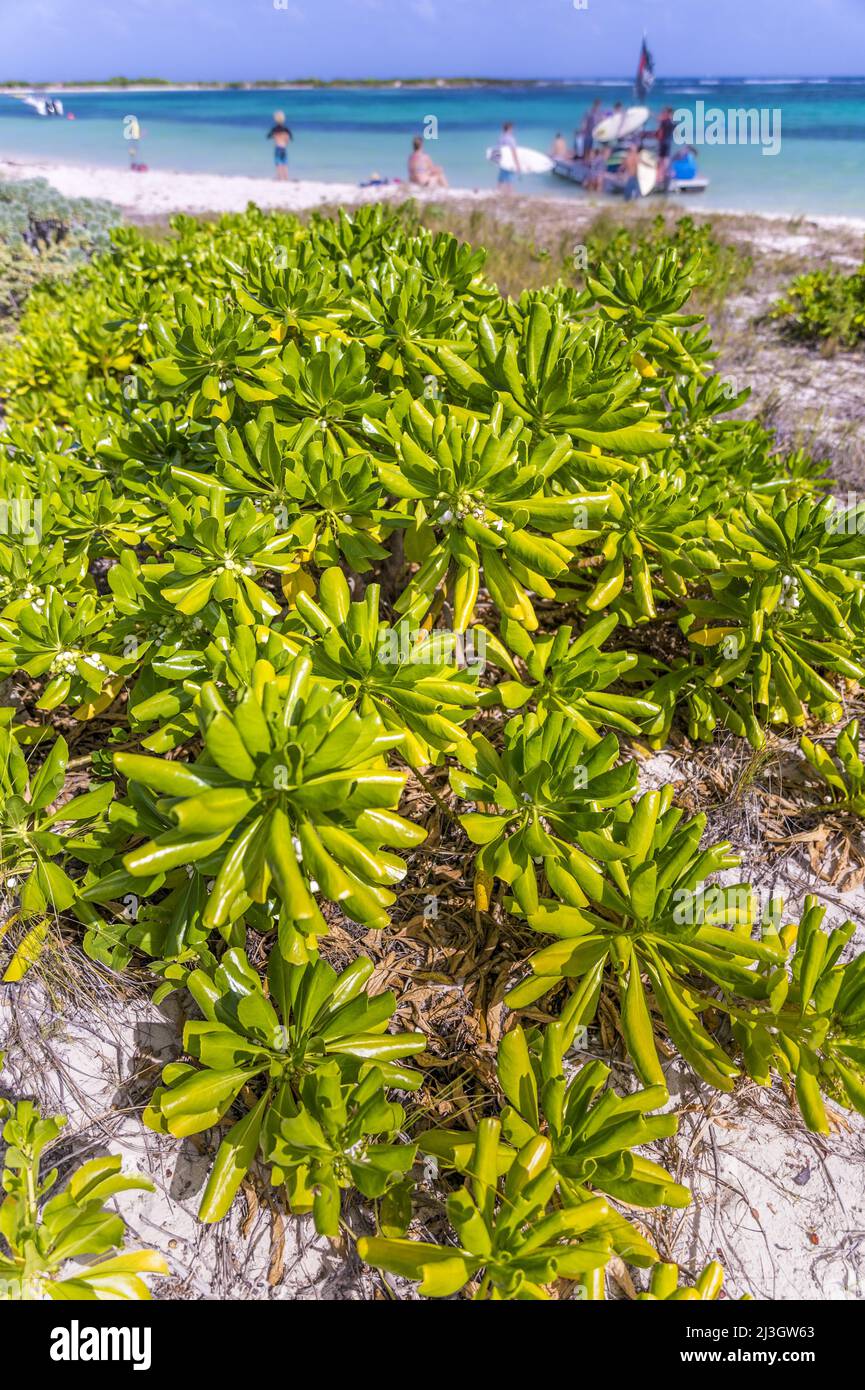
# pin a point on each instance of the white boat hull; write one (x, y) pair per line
(575, 171)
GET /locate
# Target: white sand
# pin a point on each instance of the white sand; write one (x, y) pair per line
(95, 1065)
(166, 191)
(163, 191)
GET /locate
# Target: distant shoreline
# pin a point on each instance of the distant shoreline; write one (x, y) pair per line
(311, 84)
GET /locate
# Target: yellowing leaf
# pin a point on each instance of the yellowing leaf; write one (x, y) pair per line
(101, 702)
(298, 583)
(28, 952)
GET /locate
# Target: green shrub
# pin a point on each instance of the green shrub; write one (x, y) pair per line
(288, 477)
(26, 262)
(824, 306)
(41, 1241)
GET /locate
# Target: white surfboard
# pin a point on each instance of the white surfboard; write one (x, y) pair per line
(647, 171)
(531, 161)
(618, 127)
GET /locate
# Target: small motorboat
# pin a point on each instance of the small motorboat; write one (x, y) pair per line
(617, 131)
(698, 184)
(575, 171)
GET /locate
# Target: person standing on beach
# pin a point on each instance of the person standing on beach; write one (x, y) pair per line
(628, 172)
(618, 116)
(596, 171)
(664, 133)
(281, 136)
(507, 157)
(590, 120)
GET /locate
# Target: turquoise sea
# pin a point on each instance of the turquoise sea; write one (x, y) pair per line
(349, 133)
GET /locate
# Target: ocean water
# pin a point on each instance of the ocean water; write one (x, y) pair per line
(348, 134)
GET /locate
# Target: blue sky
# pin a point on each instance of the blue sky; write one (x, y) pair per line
(45, 40)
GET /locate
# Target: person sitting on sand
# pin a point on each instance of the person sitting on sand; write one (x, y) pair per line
(280, 134)
(559, 148)
(509, 167)
(421, 170)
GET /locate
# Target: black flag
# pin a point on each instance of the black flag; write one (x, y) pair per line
(645, 73)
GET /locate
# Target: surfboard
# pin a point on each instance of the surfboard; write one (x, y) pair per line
(531, 161)
(647, 171)
(613, 128)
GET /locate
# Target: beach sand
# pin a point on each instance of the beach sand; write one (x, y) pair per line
(160, 192)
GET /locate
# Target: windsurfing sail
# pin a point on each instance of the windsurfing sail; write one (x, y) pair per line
(37, 103)
(645, 78)
(43, 106)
